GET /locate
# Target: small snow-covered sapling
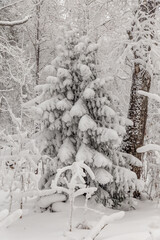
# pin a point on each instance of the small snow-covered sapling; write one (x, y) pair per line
(75, 184)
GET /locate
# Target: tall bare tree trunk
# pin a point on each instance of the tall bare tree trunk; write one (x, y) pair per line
(142, 34)
(37, 45)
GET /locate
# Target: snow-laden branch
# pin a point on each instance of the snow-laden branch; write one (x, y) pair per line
(150, 95)
(14, 23)
(149, 147)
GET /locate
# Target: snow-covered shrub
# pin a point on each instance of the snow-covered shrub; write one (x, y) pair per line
(19, 157)
(74, 184)
(80, 121)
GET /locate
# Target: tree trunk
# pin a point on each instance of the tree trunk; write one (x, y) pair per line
(141, 35)
(138, 109)
(37, 45)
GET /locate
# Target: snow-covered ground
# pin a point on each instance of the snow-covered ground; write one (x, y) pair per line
(53, 226)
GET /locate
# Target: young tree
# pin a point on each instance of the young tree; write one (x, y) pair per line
(75, 185)
(80, 121)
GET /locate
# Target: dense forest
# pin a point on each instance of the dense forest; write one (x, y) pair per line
(79, 116)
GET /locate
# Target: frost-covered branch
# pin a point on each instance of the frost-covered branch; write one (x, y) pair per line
(14, 23)
(150, 95)
(149, 147)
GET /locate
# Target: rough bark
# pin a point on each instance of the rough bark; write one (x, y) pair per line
(138, 110)
(141, 79)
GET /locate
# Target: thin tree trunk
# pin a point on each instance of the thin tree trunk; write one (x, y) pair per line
(38, 9)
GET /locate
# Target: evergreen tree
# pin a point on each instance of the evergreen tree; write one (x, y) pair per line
(80, 121)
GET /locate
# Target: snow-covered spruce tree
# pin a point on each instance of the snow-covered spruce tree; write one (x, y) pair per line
(79, 121)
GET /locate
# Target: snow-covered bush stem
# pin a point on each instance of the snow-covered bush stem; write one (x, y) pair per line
(74, 184)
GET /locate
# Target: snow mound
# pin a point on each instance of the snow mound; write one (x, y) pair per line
(11, 218)
(88, 93)
(107, 134)
(4, 214)
(132, 236)
(101, 160)
(102, 176)
(132, 160)
(46, 201)
(78, 110)
(92, 47)
(52, 80)
(66, 117)
(49, 70)
(86, 123)
(85, 154)
(85, 71)
(64, 104)
(62, 73)
(79, 47)
(66, 151)
(59, 207)
(107, 111)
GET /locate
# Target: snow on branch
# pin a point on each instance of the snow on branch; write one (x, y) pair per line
(13, 23)
(150, 95)
(149, 147)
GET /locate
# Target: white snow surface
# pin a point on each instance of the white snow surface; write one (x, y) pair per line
(135, 225)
